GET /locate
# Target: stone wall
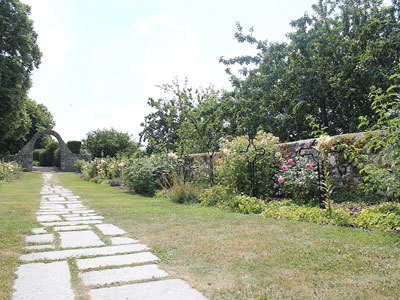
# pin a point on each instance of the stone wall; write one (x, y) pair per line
(344, 172)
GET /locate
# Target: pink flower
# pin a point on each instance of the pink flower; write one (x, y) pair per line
(284, 168)
(285, 151)
(281, 179)
(309, 166)
(290, 161)
(302, 151)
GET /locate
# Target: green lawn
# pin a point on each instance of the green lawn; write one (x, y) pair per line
(233, 256)
(19, 200)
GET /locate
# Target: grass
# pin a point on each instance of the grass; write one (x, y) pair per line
(234, 256)
(19, 200)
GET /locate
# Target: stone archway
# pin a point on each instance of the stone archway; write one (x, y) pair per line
(68, 159)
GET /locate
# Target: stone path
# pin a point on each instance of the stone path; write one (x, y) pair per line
(74, 255)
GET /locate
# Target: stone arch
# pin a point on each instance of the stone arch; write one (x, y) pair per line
(68, 159)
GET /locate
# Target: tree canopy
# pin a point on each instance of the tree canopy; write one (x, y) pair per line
(186, 120)
(109, 142)
(326, 69)
(19, 55)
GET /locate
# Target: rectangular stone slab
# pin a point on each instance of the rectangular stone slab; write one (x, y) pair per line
(84, 218)
(173, 289)
(116, 260)
(126, 274)
(79, 239)
(41, 281)
(64, 254)
(39, 247)
(39, 230)
(68, 228)
(68, 223)
(48, 218)
(40, 238)
(110, 229)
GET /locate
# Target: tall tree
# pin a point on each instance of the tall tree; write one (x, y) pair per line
(326, 69)
(19, 55)
(185, 121)
(109, 142)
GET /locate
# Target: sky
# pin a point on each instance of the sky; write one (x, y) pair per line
(102, 60)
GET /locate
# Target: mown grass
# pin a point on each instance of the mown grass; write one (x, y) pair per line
(19, 200)
(234, 256)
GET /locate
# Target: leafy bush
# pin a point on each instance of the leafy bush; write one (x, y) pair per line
(9, 170)
(46, 158)
(233, 170)
(57, 157)
(299, 180)
(74, 146)
(36, 153)
(145, 175)
(215, 195)
(385, 216)
(183, 193)
(379, 155)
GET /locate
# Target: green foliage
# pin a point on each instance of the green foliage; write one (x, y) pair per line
(233, 170)
(57, 157)
(9, 170)
(183, 193)
(109, 142)
(19, 55)
(184, 121)
(326, 69)
(145, 175)
(74, 146)
(378, 154)
(385, 216)
(47, 158)
(215, 195)
(300, 183)
(36, 153)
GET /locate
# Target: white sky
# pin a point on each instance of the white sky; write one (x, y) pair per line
(103, 59)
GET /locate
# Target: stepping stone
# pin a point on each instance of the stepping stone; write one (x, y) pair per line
(75, 206)
(48, 218)
(53, 212)
(40, 238)
(173, 289)
(39, 230)
(87, 215)
(116, 260)
(82, 211)
(64, 254)
(110, 229)
(78, 239)
(126, 274)
(68, 228)
(122, 240)
(71, 215)
(41, 281)
(67, 223)
(84, 218)
(39, 247)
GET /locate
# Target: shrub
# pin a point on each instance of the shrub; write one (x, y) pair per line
(233, 170)
(144, 175)
(74, 146)
(9, 170)
(46, 158)
(36, 153)
(217, 194)
(183, 193)
(379, 156)
(300, 180)
(57, 157)
(385, 216)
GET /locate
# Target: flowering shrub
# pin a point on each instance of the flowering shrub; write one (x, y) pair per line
(298, 180)
(9, 170)
(215, 195)
(233, 171)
